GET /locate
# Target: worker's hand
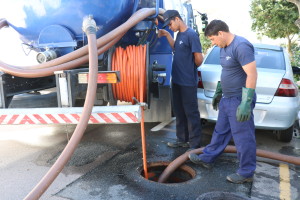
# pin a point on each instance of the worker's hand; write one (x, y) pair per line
(162, 32)
(217, 96)
(155, 21)
(243, 112)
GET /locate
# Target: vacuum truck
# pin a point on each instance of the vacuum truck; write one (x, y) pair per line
(128, 50)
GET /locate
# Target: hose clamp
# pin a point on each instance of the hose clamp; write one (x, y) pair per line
(89, 25)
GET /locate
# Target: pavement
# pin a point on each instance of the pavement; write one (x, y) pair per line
(107, 164)
(126, 182)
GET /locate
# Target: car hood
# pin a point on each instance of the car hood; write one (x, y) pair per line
(268, 81)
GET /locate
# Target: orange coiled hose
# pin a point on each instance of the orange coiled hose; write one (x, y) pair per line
(131, 62)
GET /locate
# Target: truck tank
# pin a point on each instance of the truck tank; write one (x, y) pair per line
(57, 23)
(53, 29)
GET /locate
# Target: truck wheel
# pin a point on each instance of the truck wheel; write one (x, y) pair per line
(285, 135)
(34, 100)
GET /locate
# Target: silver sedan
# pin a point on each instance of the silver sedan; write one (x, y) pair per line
(278, 100)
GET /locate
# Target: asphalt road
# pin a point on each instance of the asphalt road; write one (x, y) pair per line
(107, 164)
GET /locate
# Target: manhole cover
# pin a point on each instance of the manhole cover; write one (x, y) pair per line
(180, 175)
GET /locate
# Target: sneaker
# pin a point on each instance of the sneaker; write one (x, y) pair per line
(197, 160)
(236, 178)
(178, 144)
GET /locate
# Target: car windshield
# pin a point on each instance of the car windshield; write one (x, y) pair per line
(265, 58)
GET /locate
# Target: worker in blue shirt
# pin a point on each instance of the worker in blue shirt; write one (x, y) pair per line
(187, 57)
(235, 98)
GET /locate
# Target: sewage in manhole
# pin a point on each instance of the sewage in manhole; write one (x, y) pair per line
(182, 174)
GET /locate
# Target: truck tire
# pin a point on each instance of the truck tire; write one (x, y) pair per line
(34, 100)
(285, 135)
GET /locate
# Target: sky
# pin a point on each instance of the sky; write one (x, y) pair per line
(11, 49)
(235, 13)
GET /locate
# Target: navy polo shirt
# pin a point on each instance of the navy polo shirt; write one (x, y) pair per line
(233, 78)
(184, 69)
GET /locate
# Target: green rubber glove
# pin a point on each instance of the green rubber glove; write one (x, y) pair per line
(243, 112)
(217, 96)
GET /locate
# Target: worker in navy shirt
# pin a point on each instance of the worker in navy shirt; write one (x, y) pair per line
(187, 57)
(235, 98)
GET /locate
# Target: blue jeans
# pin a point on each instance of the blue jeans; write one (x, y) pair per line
(243, 134)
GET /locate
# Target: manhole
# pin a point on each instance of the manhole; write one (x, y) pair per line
(180, 175)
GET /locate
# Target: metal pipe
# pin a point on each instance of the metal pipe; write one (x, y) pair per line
(229, 149)
(156, 10)
(65, 156)
(135, 6)
(3, 23)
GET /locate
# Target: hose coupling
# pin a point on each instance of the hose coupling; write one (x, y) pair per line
(46, 56)
(89, 25)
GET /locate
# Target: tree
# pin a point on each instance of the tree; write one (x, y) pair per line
(205, 42)
(295, 59)
(297, 3)
(275, 19)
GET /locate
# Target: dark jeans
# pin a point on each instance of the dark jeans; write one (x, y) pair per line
(185, 107)
(243, 134)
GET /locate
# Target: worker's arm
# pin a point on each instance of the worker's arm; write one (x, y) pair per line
(250, 70)
(163, 32)
(198, 57)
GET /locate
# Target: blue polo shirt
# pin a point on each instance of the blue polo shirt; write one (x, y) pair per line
(184, 69)
(233, 78)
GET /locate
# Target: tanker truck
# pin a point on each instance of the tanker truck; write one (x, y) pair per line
(134, 65)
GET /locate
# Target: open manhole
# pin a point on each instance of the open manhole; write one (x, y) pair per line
(182, 174)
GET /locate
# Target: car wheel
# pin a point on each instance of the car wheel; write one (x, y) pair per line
(296, 132)
(285, 135)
